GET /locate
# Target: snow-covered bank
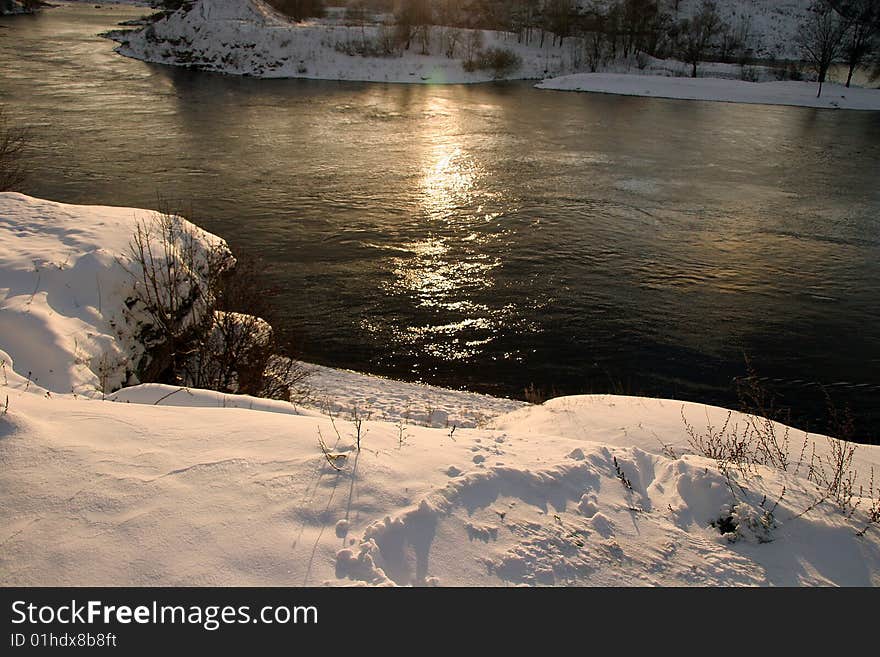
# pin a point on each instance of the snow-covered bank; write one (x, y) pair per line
(248, 37)
(802, 94)
(69, 318)
(158, 485)
(346, 394)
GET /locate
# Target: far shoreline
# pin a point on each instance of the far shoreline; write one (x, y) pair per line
(713, 89)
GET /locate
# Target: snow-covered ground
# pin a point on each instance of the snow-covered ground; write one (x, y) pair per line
(771, 24)
(346, 395)
(803, 94)
(156, 485)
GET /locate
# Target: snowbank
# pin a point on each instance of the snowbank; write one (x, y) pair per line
(157, 485)
(68, 317)
(802, 94)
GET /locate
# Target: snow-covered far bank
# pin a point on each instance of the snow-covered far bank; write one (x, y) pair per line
(377, 482)
(248, 37)
(772, 24)
(17, 7)
(801, 94)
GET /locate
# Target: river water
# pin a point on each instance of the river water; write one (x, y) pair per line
(493, 236)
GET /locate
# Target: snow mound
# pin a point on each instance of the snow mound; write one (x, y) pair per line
(576, 524)
(68, 316)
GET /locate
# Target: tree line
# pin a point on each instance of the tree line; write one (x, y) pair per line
(833, 31)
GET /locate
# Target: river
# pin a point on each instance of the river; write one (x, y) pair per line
(492, 236)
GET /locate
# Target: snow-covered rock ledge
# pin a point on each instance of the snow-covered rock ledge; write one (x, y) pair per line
(801, 94)
(248, 37)
(158, 485)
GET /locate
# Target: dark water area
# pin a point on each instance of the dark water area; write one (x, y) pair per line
(493, 237)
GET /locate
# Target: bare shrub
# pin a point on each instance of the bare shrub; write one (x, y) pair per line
(473, 44)
(539, 394)
(12, 144)
(358, 417)
(198, 314)
(331, 457)
(873, 497)
(247, 312)
(757, 439)
(533, 395)
(176, 276)
(386, 40)
(722, 444)
(377, 47)
(450, 39)
(501, 61)
(748, 73)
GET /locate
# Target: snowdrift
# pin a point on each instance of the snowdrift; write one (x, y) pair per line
(70, 317)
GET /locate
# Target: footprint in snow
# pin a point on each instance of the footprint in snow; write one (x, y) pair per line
(588, 506)
(577, 454)
(602, 525)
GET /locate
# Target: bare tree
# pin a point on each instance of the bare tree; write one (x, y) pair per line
(300, 10)
(558, 18)
(736, 41)
(12, 143)
(863, 38)
(414, 18)
(821, 39)
(201, 315)
(697, 35)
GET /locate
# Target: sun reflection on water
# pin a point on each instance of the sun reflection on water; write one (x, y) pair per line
(448, 181)
(443, 273)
